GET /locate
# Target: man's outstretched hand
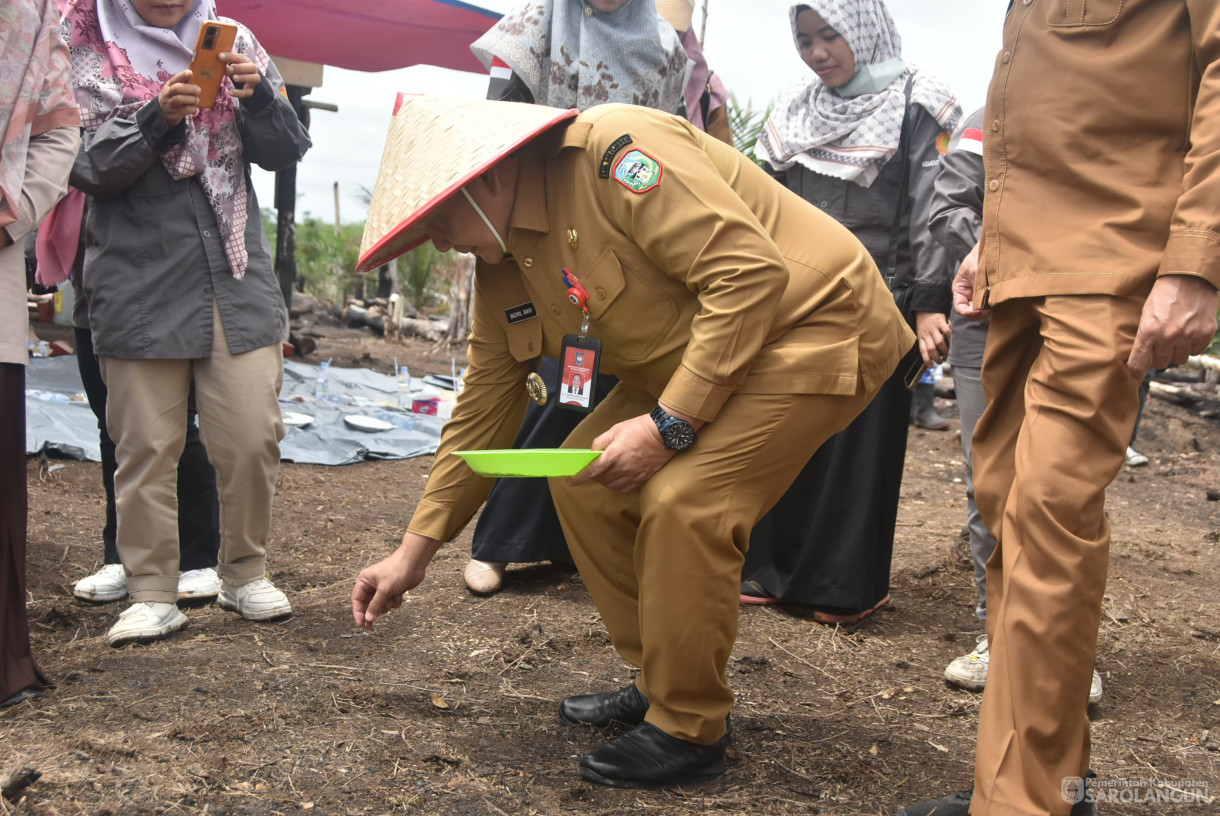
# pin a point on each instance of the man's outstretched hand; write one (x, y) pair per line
(380, 588)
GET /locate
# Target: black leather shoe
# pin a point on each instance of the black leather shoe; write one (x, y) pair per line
(27, 693)
(958, 804)
(647, 757)
(626, 705)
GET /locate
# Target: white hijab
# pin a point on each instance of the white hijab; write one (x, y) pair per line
(851, 132)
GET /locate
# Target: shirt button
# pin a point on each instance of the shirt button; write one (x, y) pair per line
(589, 11)
(527, 262)
(1029, 2)
(600, 292)
(823, 204)
(207, 233)
(1007, 57)
(994, 185)
(995, 126)
(555, 308)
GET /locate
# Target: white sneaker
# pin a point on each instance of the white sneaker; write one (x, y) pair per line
(107, 584)
(1135, 458)
(1095, 689)
(256, 601)
(970, 671)
(146, 621)
(198, 583)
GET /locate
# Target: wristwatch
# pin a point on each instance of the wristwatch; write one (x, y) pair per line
(677, 434)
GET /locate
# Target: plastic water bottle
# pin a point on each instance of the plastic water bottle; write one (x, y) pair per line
(404, 388)
(404, 421)
(321, 389)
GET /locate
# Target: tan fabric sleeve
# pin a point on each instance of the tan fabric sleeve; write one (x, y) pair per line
(487, 415)
(1193, 247)
(697, 230)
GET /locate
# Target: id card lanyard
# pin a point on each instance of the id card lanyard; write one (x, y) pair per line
(580, 355)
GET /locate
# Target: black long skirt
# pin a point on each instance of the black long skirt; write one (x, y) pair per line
(17, 667)
(828, 542)
(518, 524)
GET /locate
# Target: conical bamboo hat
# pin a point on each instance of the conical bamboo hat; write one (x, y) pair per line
(436, 146)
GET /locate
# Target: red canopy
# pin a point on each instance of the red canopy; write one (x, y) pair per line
(367, 35)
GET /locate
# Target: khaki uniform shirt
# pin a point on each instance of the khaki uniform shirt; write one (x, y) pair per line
(1102, 148)
(705, 278)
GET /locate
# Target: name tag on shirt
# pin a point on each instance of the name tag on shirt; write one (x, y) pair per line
(523, 312)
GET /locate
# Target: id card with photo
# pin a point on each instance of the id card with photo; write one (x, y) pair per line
(578, 362)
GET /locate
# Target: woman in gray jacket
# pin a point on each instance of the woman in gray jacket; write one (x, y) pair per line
(181, 286)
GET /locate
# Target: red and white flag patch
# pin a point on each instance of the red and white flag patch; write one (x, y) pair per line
(971, 141)
(500, 69)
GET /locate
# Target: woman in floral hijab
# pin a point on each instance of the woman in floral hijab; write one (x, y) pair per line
(39, 127)
(581, 53)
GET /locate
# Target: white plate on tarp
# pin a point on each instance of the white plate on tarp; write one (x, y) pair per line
(297, 420)
(366, 423)
(440, 381)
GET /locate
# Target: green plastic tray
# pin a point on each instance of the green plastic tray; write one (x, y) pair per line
(529, 462)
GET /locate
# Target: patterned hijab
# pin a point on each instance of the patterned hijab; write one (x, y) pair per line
(35, 90)
(570, 55)
(120, 63)
(844, 135)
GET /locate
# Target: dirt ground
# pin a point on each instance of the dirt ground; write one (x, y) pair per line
(448, 706)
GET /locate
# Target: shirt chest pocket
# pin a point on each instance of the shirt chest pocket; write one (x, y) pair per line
(1083, 13)
(633, 309)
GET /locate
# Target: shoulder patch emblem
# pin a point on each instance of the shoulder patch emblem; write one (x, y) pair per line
(608, 157)
(638, 172)
(942, 143)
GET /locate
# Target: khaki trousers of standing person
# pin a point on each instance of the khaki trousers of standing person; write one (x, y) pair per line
(237, 396)
(663, 562)
(1060, 409)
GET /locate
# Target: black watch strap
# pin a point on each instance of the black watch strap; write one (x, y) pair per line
(676, 434)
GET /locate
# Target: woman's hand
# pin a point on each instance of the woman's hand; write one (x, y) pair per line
(932, 329)
(633, 453)
(242, 71)
(178, 99)
(380, 588)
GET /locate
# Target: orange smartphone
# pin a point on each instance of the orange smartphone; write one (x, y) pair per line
(206, 68)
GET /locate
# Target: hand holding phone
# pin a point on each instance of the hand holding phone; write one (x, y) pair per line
(179, 98)
(207, 68)
(244, 73)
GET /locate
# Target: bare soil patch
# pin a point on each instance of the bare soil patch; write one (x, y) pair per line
(449, 706)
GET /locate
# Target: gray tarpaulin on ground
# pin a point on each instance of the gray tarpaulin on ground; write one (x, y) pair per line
(69, 428)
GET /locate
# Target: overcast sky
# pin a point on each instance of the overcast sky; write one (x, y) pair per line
(748, 43)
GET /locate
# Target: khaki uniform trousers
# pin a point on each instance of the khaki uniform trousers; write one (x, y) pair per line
(1060, 409)
(241, 426)
(663, 563)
